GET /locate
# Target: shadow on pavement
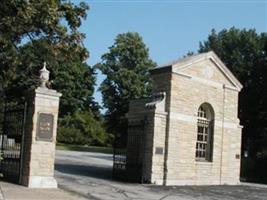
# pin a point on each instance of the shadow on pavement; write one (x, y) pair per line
(109, 158)
(98, 172)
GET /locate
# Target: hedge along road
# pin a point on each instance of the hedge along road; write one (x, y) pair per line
(90, 175)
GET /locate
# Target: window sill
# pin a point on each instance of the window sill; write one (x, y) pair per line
(199, 161)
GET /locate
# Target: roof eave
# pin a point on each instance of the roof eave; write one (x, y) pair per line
(230, 75)
(164, 69)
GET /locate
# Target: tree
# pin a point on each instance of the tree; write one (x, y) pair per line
(245, 53)
(54, 21)
(72, 77)
(126, 67)
(82, 128)
(34, 31)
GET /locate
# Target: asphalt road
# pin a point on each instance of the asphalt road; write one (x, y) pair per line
(90, 175)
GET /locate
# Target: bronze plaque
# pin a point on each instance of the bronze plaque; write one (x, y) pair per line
(159, 151)
(45, 127)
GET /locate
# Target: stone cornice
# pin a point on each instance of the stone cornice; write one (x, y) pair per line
(46, 91)
(193, 119)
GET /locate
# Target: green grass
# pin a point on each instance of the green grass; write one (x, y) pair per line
(71, 147)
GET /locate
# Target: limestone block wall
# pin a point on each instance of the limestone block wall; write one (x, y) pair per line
(153, 139)
(43, 153)
(161, 81)
(171, 135)
(39, 156)
(187, 95)
(158, 148)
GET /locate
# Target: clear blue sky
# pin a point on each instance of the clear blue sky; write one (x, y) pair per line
(169, 28)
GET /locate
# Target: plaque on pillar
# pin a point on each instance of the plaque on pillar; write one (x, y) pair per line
(45, 127)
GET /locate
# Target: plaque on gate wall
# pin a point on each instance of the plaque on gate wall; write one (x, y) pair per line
(45, 127)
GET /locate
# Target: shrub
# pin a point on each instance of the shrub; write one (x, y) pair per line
(82, 128)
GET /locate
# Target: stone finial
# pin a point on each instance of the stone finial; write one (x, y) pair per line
(44, 76)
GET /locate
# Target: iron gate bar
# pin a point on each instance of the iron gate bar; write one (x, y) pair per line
(12, 135)
(22, 140)
(123, 169)
(135, 169)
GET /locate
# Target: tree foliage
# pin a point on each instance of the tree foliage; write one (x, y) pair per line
(82, 128)
(34, 31)
(72, 77)
(245, 53)
(24, 20)
(126, 67)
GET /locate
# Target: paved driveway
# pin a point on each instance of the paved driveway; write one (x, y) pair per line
(89, 175)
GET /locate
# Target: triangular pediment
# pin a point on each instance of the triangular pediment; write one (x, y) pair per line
(206, 66)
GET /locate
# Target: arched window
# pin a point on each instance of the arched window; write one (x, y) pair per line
(204, 145)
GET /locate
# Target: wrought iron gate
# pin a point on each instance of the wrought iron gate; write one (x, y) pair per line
(128, 156)
(119, 160)
(11, 140)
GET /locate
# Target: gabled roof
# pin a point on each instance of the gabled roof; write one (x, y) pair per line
(189, 60)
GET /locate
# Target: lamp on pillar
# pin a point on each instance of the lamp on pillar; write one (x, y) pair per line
(44, 76)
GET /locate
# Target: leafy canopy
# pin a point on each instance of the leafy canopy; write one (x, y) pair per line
(81, 128)
(126, 67)
(72, 77)
(54, 22)
(245, 53)
(34, 31)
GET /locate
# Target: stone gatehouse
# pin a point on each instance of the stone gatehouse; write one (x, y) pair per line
(191, 133)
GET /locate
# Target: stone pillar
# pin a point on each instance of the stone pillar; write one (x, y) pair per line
(158, 136)
(152, 153)
(40, 137)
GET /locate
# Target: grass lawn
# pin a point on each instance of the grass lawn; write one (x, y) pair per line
(71, 147)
